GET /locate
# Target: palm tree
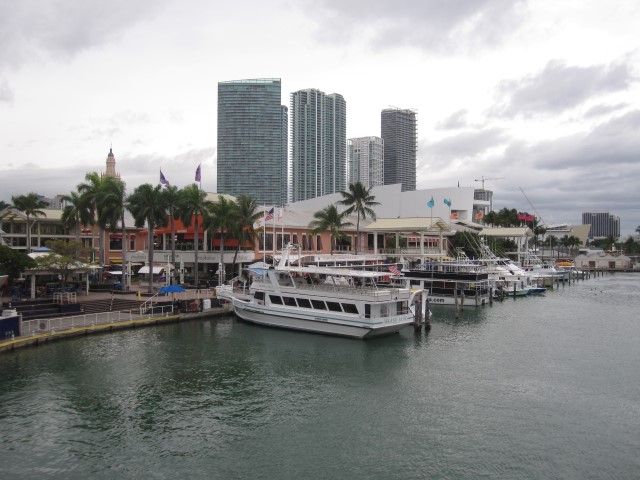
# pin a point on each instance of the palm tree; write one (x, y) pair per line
(147, 206)
(329, 218)
(31, 206)
(90, 192)
(193, 203)
(171, 196)
(112, 201)
(247, 213)
(221, 219)
(359, 199)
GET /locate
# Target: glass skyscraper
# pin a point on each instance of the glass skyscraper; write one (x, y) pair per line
(252, 140)
(318, 144)
(399, 131)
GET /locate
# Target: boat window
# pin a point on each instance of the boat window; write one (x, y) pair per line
(334, 306)
(290, 301)
(367, 310)
(350, 308)
(318, 304)
(384, 311)
(259, 296)
(304, 303)
(275, 299)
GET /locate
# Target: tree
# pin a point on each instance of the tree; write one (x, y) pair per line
(171, 200)
(63, 258)
(13, 262)
(90, 192)
(329, 219)
(147, 206)
(491, 218)
(112, 202)
(75, 213)
(359, 200)
(31, 206)
(221, 219)
(4, 205)
(193, 203)
(247, 213)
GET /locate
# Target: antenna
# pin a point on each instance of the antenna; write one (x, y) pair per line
(484, 179)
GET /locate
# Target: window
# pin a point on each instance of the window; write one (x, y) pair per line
(318, 304)
(334, 306)
(259, 296)
(318, 242)
(304, 303)
(289, 301)
(350, 308)
(275, 299)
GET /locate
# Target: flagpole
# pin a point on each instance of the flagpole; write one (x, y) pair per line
(274, 234)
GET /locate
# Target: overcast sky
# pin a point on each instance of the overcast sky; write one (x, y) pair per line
(541, 97)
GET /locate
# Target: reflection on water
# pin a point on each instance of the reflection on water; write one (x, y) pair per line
(529, 388)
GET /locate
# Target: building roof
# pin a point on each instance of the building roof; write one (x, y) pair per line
(409, 223)
(507, 232)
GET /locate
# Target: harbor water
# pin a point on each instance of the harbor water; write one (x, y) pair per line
(533, 388)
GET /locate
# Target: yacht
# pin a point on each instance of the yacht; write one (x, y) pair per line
(341, 301)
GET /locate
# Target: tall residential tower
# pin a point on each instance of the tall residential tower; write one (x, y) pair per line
(252, 140)
(318, 144)
(366, 161)
(399, 131)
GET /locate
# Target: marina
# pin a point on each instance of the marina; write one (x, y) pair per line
(539, 388)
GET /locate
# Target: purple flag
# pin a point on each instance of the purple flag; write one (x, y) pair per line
(198, 174)
(163, 179)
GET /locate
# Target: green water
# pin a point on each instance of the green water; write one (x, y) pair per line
(533, 388)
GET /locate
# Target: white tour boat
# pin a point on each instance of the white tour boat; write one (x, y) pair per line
(337, 301)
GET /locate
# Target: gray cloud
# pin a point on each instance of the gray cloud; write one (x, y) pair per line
(455, 121)
(32, 29)
(465, 145)
(601, 110)
(559, 87)
(431, 25)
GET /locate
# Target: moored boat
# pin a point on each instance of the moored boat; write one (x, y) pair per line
(337, 301)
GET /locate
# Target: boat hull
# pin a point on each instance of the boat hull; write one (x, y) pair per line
(266, 316)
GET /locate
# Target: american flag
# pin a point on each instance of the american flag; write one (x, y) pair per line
(163, 179)
(269, 215)
(394, 270)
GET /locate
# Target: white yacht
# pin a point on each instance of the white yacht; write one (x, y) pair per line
(338, 301)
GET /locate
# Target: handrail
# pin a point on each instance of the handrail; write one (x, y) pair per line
(143, 306)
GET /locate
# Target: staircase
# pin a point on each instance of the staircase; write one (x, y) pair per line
(110, 305)
(38, 309)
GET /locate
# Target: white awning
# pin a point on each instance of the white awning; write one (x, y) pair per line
(156, 270)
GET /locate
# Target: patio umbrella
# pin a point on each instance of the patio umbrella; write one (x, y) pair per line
(172, 289)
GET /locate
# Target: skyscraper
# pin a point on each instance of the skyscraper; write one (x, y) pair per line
(603, 224)
(318, 144)
(252, 140)
(399, 131)
(366, 161)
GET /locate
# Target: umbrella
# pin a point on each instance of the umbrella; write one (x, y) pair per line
(172, 289)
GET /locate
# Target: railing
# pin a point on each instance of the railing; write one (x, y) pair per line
(34, 327)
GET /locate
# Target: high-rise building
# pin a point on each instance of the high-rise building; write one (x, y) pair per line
(252, 140)
(603, 225)
(318, 144)
(366, 161)
(399, 131)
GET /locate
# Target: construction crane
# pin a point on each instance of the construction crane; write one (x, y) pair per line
(483, 179)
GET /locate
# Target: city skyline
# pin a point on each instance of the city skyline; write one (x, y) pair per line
(535, 97)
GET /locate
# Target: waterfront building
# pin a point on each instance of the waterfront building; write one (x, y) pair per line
(399, 131)
(318, 144)
(366, 161)
(603, 224)
(252, 140)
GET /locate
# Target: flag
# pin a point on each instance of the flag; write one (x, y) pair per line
(163, 179)
(447, 202)
(394, 270)
(198, 173)
(522, 216)
(281, 213)
(430, 203)
(269, 214)
(529, 218)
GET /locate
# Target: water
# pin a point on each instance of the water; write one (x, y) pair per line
(534, 388)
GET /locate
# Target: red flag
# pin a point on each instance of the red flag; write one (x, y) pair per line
(522, 216)
(394, 270)
(529, 218)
